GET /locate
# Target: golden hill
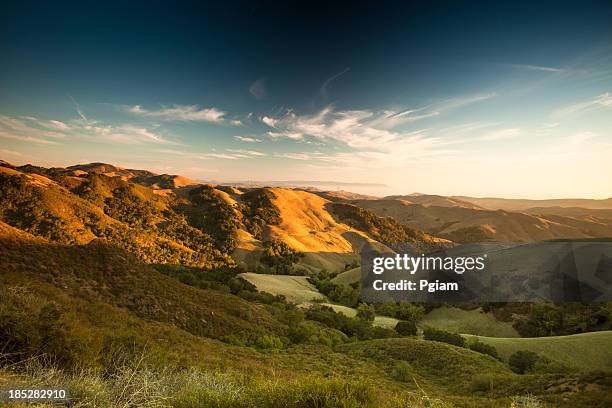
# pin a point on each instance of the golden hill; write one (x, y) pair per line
(510, 204)
(462, 224)
(170, 219)
(434, 200)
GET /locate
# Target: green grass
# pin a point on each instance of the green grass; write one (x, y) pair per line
(586, 351)
(468, 321)
(348, 277)
(296, 289)
(138, 385)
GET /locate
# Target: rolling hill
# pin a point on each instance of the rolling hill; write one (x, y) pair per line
(585, 351)
(461, 224)
(511, 204)
(102, 265)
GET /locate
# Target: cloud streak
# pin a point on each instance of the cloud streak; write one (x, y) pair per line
(323, 91)
(192, 113)
(247, 139)
(50, 132)
(538, 68)
(601, 101)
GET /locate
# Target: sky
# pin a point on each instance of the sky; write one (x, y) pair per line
(453, 98)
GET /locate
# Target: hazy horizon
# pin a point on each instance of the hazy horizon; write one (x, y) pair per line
(509, 100)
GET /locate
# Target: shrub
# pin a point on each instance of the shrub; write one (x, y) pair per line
(525, 401)
(522, 361)
(406, 328)
(484, 348)
(443, 336)
(269, 342)
(366, 312)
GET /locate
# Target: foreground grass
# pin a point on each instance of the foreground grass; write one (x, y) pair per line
(138, 385)
(586, 351)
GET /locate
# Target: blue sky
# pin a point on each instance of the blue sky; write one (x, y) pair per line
(481, 99)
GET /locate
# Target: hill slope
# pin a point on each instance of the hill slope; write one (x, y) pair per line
(462, 224)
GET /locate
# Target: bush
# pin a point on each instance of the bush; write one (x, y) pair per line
(443, 336)
(269, 342)
(522, 361)
(484, 349)
(406, 328)
(366, 312)
(525, 401)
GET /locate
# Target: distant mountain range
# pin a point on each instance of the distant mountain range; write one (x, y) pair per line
(162, 217)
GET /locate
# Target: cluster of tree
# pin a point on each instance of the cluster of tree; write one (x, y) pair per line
(383, 229)
(19, 207)
(210, 213)
(258, 210)
(523, 361)
(127, 207)
(401, 310)
(548, 319)
(359, 326)
(347, 295)
(443, 336)
(280, 256)
(455, 339)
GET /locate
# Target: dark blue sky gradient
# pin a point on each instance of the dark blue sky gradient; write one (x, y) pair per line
(130, 52)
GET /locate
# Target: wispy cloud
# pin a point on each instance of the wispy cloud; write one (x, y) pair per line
(258, 89)
(247, 139)
(394, 118)
(78, 108)
(500, 134)
(538, 68)
(28, 130)
(33, 130)
(323, 91)
(581, 137)
(181, 113)
(601, 101)
(362, 129)
(296, 156)
(359, 130)
(246, 152)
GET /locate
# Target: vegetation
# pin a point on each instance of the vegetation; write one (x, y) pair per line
(383, 229)
(469, 321)
(351, 326)
(545, 319)
(280, 256)
(212, 214)
(347, 295)
(484, 349)
(595, 352)
(258, 210)
(443, 336)
(131, 298)
(522, 361)
(406, 328)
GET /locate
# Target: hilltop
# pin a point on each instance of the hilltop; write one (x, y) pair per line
(169, 218)
(461, 223)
